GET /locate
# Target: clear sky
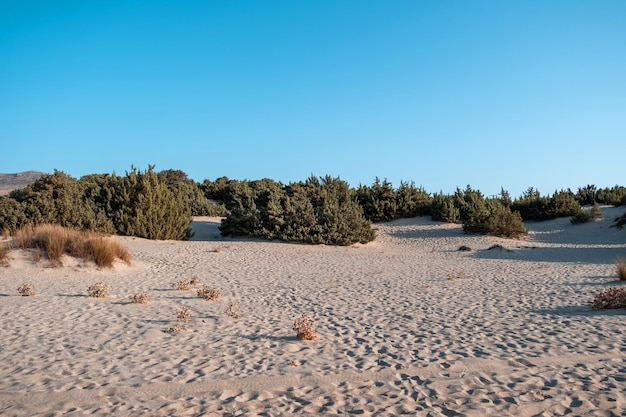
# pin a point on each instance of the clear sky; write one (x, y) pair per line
(445, 93)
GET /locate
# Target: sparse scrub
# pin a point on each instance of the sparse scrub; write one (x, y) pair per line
(26, 290)
(99, 290)
(141, 298)
(182, 285)
(233, 310)
(621, 269)
(208, 293)
(304, 328)
(584, 216)
(612, 297)
(55, 241)
(183, 315)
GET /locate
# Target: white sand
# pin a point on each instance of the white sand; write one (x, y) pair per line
(514, 336)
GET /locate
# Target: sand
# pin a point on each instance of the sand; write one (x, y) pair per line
(407, 324)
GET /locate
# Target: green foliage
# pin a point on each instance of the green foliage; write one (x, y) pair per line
(443, 209)
(378, 201)
(144, 206)
(583, 216)
(12, 216)
(412, 201)
(315, 211)
(60, 199)
(532, 206)
(495, 219)
(191, 192)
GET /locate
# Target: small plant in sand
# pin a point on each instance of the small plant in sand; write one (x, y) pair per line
(183, 315)
(233, 310)
(452, 276)
(139, 298)
(621, 269)
(208, 293)
(304, 328)
(612, 297)
(99, 290)
(217, 249)
(26, 290)
(194, 280)
(182, 285)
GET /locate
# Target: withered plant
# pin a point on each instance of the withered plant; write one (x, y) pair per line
(452, 276)
(182, 285)
(194, 280)
(208, 293)
(183, 315)
(620, 265)
(233, 310)
(304, 328)
(99, 290)
(612, 297)
(26, 290)
(140, 298)
(4, 255)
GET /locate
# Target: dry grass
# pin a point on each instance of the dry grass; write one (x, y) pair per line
(612, 297)
(182, 285)
(26, 290)
(233, 310)
(99, 290)
(208, 293)
(183, 315)
(56, 241)
(621, 269)
(140, 298)
(4, 255)
(6, 234)
(304, 328)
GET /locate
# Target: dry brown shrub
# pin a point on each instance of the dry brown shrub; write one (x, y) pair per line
(304, 328)
(139, 298)
(208, 293)
(183, 315)
(194, 280)
(621, 269)
(233, 310)
(182, 285)
(99, 290)
(612, 297)
(55, 241)
(26, 290)
(217, 250)
(4, 255)
(6, 234)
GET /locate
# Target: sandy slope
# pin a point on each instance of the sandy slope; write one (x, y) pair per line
(513, 336)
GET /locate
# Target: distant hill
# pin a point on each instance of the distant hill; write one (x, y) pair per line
(10, 182)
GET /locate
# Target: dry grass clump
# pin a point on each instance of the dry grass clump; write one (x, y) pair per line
(4, 255)
(304, 328)
(621, 269)
(452, 276)
(140, 298)
(6, 234)
(208, 293)
(26, 290)
(182, 285)
(55, 241)
(183, 315)
(194, 280)
(612, 297)
(233, 310)
(99, 290)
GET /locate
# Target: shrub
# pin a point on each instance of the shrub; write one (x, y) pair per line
(208, 293)
(141, 298)
(184, 315)
(315, 211)
(620, 265)
(233, 310)
(55, 241)
(145, 207)
(304, 328)
(182, 285)
(4, 255)
(443, 209)
(612, 297)
(412, 201)
(583, 216)
(26, 290)
(99, 290)
(378, 201)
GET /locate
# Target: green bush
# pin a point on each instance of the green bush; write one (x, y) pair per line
(378, 201)
(191, 192)
(497, 221)
(315, 211)
(144, 206)
(583, 216)
(412, 201)
(443, 209)
(12, 217)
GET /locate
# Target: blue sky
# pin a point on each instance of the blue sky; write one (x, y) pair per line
(493, 94)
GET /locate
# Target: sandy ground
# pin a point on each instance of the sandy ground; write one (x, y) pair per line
(509, 334)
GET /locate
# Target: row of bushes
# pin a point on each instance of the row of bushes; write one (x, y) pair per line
(318, 210)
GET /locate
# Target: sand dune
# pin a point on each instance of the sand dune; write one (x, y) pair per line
(509, 334)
